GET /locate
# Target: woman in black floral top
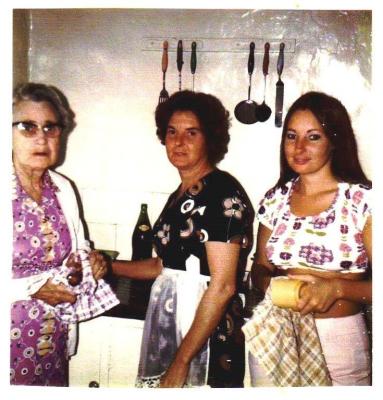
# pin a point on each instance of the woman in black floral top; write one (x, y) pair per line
(203, 236)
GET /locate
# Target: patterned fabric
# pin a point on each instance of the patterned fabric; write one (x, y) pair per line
(173, 299)
(41, 241)
(93, 298)
(39, 332)
(217, 208)
(331, 240)
(287, 346)
(41, 238)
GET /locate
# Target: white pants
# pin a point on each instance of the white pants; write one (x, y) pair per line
(345, 347)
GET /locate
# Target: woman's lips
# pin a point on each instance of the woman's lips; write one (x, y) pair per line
(301, 161)
(40, 153)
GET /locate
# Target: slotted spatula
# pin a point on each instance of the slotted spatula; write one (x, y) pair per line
(164, 95)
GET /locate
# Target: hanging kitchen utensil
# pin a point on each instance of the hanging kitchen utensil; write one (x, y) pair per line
(245, 110)
(180, 62)
(280, 88)
(164, 95)
(193, 60)
(263, 111)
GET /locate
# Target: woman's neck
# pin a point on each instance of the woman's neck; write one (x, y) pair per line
(31, 180)
(191, 177)
(316, 183)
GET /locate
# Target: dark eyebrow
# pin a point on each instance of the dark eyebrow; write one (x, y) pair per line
(309, 131)
(31, 122)
(27, 121)
(194, 128)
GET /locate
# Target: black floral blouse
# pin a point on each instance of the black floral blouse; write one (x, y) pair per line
(217, 208)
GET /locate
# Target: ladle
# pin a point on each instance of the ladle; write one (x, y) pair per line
(263, 111)
(245, 110)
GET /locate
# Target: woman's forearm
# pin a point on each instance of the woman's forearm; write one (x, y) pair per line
(357, 291)
(146, 269)
(208, 314)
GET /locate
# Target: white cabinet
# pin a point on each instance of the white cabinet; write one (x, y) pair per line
(108, 352)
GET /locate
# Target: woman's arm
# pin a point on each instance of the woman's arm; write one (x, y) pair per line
(320, 293)
(262, 270)
(222, 259)
(143, 269)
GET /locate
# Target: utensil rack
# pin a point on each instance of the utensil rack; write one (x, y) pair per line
(217, 45)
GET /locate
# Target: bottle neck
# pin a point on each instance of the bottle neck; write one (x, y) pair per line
(143, 222)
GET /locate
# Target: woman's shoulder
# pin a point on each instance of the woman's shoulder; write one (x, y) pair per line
(60, 180)
(278, 191)
(220, 186)
(223, 181)
(357, 192)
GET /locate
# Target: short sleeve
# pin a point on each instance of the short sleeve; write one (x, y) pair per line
(267, 207)
(361, 197)
(227, 217)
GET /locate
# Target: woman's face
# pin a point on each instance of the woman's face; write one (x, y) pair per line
(185, 143)
(37, 152)
(307, 148)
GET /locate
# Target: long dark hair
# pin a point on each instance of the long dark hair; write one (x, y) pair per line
(336, 123)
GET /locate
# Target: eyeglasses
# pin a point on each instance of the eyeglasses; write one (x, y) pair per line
(30, 129)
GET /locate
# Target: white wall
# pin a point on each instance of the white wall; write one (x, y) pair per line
(111, 74)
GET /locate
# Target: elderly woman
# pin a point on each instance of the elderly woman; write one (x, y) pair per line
(315, 226)
(54, 272)
(202, 239)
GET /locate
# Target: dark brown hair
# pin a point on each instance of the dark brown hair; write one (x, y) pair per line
(211, 114)
(336, 123)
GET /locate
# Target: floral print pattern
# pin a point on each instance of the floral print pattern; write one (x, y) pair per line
(216, 209)
(317, 255)
(331, 240)
(233, 207)
(41, 241)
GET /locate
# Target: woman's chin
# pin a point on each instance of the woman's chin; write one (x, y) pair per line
(42, 163)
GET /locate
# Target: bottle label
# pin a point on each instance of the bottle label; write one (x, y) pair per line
(144, 228)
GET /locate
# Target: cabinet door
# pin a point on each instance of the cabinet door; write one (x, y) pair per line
(124, 346)
(84, 366)
(107, 354)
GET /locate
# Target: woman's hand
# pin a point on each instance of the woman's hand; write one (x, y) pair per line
(317, 295)
(175, 376)
(98, 264)
(54, 294)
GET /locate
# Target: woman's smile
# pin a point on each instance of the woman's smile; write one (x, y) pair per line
(307, 148)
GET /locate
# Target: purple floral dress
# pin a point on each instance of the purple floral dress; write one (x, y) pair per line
(41, 241)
